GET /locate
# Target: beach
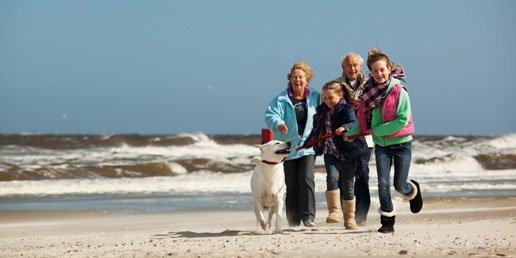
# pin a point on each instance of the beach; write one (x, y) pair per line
(188, 195)
(472, 227)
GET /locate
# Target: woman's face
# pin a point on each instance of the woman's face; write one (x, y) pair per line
(380, 71)
(331, 98)
(298, 81)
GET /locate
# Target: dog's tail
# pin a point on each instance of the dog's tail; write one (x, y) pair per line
(255, 160)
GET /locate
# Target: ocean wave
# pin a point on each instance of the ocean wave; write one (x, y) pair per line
(94, 141)
(192, 184)
(56, 141)
(12, 172)
(205, 183)
(495, 161)
(507, 141)
(138, 156)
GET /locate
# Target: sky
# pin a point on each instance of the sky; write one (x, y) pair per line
(167, 67)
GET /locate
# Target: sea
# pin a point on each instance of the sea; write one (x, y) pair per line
(193, 171)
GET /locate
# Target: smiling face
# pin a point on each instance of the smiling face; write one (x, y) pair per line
(331, 98)
(351, 67)
(298, 81)
(380, 71)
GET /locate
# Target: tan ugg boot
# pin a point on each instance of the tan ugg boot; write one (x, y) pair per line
(332, 200)
(348, 208)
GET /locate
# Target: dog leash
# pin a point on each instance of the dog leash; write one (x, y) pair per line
(315, 141)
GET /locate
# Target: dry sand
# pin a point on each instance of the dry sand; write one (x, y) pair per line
(456, 227)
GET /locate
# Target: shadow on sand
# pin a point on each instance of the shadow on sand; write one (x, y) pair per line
(229, 232)
(192, 234)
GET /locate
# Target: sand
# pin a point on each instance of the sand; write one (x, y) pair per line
(451, 227)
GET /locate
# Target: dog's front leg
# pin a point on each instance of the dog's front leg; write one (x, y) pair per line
(272, 211)
(279, 209)
(258, 207)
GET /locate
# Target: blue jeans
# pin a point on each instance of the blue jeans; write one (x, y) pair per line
(362, 194)
(340, 175)
(400, 154)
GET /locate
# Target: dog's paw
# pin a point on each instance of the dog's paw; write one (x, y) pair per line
(263, 225)
(278, 231)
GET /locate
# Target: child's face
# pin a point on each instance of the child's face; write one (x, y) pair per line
(380, 71)
(331, 98)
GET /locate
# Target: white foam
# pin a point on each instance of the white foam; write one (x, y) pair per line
(177, 168)
(207, 183)
(187, 184)
(507, 141)
(454, 164)
(449, 166)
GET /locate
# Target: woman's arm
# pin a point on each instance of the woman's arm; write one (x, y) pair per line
(274, 115)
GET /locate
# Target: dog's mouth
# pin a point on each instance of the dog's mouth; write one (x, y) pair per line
(284, 151)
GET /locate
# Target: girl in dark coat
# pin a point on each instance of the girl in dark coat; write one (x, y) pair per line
(337, 116)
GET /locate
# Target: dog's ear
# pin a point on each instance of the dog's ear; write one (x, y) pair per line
(255, 160)
(259, 146)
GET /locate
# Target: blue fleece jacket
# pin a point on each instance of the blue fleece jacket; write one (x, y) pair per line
(281, 111)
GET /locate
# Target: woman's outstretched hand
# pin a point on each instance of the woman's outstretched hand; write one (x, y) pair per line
(283, 129)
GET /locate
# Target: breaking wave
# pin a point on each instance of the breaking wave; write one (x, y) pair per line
(198, 163)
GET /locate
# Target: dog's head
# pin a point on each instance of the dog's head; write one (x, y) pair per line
(274, 151)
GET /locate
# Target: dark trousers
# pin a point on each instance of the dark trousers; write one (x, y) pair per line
(299, 179)
(362, 194)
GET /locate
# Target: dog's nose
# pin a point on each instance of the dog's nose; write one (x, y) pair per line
(288, 144)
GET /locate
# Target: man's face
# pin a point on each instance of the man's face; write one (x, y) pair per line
(351, 67)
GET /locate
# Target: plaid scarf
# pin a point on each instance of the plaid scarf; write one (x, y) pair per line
(374, 92)
(322, 115)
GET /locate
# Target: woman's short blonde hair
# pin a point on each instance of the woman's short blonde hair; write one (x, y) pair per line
(305, 68)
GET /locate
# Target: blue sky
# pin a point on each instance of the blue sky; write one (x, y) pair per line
(213, 66)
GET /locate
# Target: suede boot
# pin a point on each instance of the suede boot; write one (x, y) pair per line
(333, 202)
(348, 208)
(387, 224)
(415, 198)
(416, 204)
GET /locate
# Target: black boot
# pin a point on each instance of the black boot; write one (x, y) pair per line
(387, 224)
(416, 204)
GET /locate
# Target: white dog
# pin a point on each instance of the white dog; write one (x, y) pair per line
(268, 182)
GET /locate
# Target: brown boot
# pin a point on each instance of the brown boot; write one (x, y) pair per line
(348, 208)
(332, 200)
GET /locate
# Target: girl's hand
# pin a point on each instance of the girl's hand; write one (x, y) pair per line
(349, 138)
(341, 130)
(283, 129)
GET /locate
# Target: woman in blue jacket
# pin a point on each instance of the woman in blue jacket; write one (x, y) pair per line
(289, 116)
